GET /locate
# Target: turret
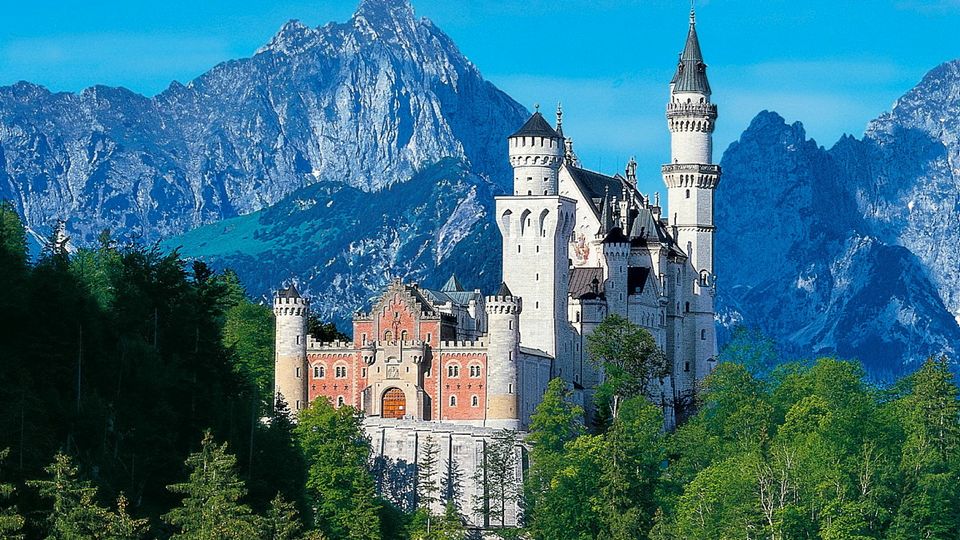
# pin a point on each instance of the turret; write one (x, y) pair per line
(290, 364)
(503, 351)
(536, 153)
(692, 178)
(616, 254)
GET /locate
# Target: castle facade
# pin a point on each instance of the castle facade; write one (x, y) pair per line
(578, 246)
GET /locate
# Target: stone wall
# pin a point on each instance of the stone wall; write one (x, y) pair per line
(398, 447)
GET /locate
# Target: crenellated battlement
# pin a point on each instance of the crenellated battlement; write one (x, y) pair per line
(687, 110)
(445, 346)
(691, 175)
(504, 305)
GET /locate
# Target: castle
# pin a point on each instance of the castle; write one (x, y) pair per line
(455, 365)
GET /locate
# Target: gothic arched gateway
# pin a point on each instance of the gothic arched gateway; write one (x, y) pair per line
(393, 404)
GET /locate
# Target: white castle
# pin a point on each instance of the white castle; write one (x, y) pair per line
(455, 365)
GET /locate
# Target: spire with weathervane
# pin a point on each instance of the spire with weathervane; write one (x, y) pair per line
(692, 178)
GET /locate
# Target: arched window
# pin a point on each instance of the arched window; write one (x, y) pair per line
(453, 371)
(688, 193)
(703, 334)
(474, 401)
(403, 335)
(474, 371)
(340, 372)
(340, 401)
(318, 372)
(686, 366)
(453, 401)
(388, 336)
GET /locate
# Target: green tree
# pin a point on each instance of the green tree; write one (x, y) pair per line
(11, 522)
(281, 521)
(930, 464)
(630, 360)
(427, 488)
(631, 471)
(339, 484)
(497, 480)
(556, 422)
(121, 526)
(75, 513)
(248, 332)
(211, 506)
(570, 508)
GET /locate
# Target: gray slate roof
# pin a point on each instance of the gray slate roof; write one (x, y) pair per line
(537, 126)
(691, 74)
(289, 292)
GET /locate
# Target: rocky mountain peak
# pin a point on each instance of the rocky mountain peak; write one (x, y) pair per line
(293, 37)
(385, 19)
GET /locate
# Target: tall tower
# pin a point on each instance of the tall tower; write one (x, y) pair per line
(503, 350)
(692, 178)
(536, 224)
(290, 363)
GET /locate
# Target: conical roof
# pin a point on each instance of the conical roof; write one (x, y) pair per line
(691, 75)
(537, 126)
(504, 290)
(452, 285)
(289, 292)
(606, 215)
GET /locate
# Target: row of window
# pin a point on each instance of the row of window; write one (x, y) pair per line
(474, 401)
(340, 372)
(453, 371)
(320, 372)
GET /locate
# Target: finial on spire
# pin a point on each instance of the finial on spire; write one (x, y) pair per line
(693, 12)
(559, 115)
(537, 107)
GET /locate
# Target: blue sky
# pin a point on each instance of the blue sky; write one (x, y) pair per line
(833, 64)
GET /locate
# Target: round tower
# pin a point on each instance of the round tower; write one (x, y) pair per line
(290, 363)
(503, 351)
(692, 178)
(536, 153)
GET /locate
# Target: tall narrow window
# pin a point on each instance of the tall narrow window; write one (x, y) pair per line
(453, 401)
(340, 401)
(298, 372)
(475, 401)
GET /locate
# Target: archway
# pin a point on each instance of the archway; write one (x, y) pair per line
(393, 404)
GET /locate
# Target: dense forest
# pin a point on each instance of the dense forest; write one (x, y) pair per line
(136, 403)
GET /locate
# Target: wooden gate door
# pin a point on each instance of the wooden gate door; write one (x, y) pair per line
(394, 404)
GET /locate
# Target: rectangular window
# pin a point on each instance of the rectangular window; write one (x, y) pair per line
(298, 372)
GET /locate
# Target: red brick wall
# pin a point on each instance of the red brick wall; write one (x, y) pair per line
(463, 387)
(329, 385)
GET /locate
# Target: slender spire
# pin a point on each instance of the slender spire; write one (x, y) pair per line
(691, 74)
(606, 213)
(560, 119)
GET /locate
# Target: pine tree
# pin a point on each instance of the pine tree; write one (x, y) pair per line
(427, 474)
(281, 522)
(339, 484)
(930, 462)
(121, 526)
(75, 513)
(10, 521)
(211, 506)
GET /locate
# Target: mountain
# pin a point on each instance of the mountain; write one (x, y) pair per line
(344, 244)
(366, 104)
(852, 250)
